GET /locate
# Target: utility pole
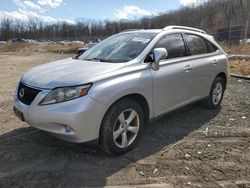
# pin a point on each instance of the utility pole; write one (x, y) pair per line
(246, 29)
(229, 33)
(245, 14)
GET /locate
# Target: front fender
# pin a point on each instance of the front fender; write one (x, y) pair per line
(110, 90)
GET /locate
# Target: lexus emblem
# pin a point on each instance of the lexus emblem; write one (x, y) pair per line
(21, 93)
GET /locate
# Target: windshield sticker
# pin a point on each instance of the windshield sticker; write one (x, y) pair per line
(142, 40)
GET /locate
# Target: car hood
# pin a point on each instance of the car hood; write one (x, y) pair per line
(67, 72)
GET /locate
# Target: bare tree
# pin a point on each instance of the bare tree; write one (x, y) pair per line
(211, 16)
(6, 28)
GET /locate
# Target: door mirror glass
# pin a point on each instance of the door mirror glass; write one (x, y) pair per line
(159, 54)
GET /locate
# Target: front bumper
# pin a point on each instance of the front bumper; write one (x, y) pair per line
(82, 116)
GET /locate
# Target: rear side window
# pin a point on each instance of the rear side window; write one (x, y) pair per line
(211, 47)
(196, 44)
(174, 45)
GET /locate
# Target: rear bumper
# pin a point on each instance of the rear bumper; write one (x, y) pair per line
(82, 117)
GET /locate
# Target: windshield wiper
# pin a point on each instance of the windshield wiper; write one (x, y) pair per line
(97, 59)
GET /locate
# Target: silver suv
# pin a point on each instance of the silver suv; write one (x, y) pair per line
(112, 90)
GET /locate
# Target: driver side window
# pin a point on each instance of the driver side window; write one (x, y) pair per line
(174, 45)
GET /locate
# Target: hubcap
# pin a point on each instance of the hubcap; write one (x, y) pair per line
(126, 128)
(217, 93)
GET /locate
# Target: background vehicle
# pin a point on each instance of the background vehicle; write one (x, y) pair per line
(246, 40)
(121, 83)
(2, 42)
(64, 42)
(19, 40)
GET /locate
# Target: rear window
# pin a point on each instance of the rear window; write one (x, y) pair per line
(196, 44)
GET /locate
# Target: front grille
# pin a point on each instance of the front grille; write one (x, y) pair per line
(26, 94)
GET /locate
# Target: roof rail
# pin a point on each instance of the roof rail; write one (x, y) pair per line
(126, 30)
(183, 27)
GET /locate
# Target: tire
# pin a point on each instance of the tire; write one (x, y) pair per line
(216, 94)
(119, 133)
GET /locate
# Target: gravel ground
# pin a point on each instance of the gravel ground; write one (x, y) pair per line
(191, 147)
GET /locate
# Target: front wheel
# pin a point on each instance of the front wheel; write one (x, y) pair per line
(121, 127)
(216, 94)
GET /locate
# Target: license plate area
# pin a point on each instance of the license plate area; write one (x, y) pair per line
(18, 113)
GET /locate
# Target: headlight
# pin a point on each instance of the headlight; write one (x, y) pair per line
(63, 94)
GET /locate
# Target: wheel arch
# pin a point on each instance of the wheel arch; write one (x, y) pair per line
(142, 101)
(224, 77)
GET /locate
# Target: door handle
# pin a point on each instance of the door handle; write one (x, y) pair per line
(214, 62)
(187, 68)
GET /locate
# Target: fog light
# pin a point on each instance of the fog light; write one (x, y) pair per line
(67, 129)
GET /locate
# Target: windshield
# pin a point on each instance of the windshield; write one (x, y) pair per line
(122, 47)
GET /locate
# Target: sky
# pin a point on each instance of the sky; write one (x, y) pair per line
(50, 11)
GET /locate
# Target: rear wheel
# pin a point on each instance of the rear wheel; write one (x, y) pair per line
(121, 127)
(216, 94)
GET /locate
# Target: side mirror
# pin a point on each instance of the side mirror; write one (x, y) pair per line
(159, 54)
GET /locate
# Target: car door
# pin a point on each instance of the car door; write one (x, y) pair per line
(204, 61)
(172, 83)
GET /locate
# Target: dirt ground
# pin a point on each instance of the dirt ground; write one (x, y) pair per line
(192, 147)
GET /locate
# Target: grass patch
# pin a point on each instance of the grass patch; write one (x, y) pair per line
(237, 49)
(56, 48)
(240, 67)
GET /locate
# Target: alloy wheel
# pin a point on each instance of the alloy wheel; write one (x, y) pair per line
(126, 128)
(217, 93)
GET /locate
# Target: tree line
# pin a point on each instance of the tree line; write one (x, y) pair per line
(210, 16)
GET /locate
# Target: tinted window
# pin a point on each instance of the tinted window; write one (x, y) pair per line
(196, 44)
(174, 44)
(211, 47)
